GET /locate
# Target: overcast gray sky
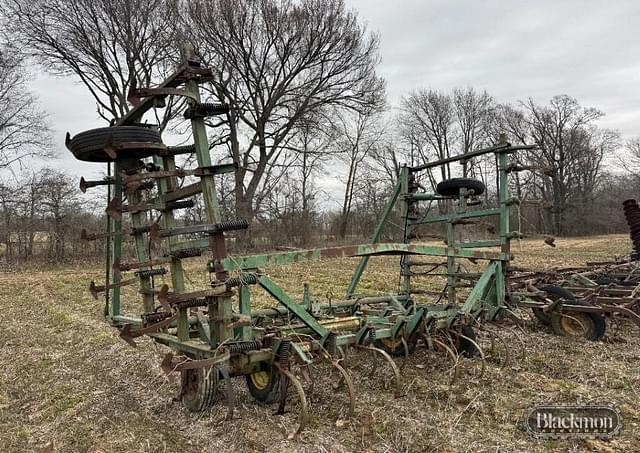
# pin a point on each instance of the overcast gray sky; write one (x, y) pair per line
(589, 49)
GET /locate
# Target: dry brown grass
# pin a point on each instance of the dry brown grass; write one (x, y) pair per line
(67, 383)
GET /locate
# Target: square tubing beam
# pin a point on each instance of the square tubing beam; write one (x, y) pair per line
(166, 186)
(220, 308)
(137, 220)
(357, 273)
(115, 242)
(278, 294)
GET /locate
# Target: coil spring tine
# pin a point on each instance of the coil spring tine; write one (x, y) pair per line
(186, 253)
(284, 353)
(151, 272)
(191, 303)
(244, 346)
(232, 225)
(152, 318)
(185, 149)
(632, 216)
(244, 279)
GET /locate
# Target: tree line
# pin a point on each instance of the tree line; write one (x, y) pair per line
(318, 147)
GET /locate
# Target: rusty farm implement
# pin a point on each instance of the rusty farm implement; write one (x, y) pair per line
(216, 335)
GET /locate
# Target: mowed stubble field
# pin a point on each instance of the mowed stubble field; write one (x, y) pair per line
(69, 384)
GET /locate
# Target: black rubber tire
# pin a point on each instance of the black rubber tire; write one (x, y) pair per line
(271, 392)
(595, 331)
(89, 145)
(397, 350)
(556, 292)
(199, 388)
(465, 347)
(451, 187)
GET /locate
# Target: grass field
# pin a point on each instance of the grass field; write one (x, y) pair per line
(69, 384)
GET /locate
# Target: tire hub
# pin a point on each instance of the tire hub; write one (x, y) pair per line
(260, 379)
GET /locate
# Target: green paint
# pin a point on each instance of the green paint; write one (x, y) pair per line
(475, 300)
(116, 242)
(278, 294)
(244, 298)
(357, 273)
(457, 216)
(165, 185)
(365, 250)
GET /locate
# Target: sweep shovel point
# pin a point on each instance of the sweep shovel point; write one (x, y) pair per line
(125, 334)
(163, 297)
(93, 289)
(167, 363)
(114, 209)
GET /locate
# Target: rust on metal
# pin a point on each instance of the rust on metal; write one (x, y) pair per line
(303, 418)
(128, 333)
(95, 289)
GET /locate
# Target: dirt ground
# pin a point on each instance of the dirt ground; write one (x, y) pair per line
(69, 384)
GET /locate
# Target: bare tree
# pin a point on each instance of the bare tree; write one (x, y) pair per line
(430, 114)
(109, 45)
(473, 113)
(633, 145)
(630, 159)
(59, 198)
(278, 62)
(360, 134)
(314, 146)
(41, 217)
(23, 126)
(567, 167)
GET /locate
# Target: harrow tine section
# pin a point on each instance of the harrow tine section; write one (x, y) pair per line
(307, 377)
(453, 356)
(303, 418)
(523, 344)
(494, 335)
(344, 376)
(405, 355)
(396, 371)
(480, 351)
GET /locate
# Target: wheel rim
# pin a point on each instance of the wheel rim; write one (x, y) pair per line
(260, 379)
(576, 324)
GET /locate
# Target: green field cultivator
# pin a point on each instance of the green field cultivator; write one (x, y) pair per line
(214, 332)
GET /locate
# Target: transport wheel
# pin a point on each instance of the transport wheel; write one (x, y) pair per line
(89, 145)
(265, 385)
(452, 187)
(591, 326)
(553, 293)
(199, 388)
(394, 346)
